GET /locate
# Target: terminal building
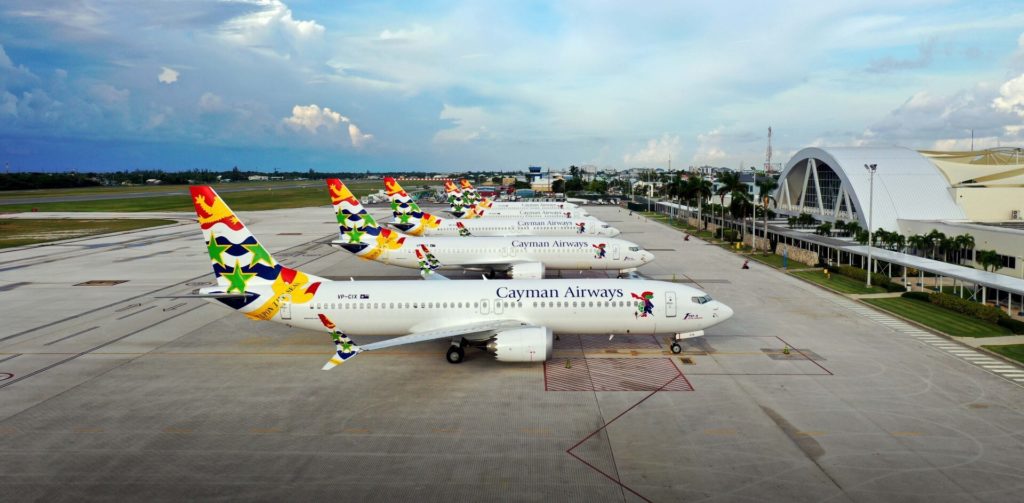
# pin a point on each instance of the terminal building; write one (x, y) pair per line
(980, 193)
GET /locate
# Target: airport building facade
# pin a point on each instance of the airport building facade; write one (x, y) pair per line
(977, 193)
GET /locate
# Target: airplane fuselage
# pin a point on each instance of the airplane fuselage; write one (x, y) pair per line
(512, 226)
(577, 252)
(591, 306)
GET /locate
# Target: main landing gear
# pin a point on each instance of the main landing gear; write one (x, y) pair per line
(455, 352)
(676, 348)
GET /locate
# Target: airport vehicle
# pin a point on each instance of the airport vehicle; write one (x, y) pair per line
(518, 257)
(467, 204)
(512, 320)
(410, 219)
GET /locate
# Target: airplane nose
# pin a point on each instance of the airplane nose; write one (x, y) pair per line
(646, 256)
(614, 232)
(724, 311)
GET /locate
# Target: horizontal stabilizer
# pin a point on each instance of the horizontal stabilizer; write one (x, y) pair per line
(208, 296)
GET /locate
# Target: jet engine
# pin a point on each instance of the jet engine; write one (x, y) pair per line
(530, 270)
(531, 344)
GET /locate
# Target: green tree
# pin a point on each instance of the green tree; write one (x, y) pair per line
(728, 183)
(558, 186)
(766, 187)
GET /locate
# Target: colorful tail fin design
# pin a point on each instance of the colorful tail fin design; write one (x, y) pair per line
(463, 204)
(344, 348)
(463, 231)
(360, 233)
(242, 265)
(481, 203)
(409, 218)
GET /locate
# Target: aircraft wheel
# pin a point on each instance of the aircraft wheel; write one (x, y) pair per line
(455, 354)
(676, 348)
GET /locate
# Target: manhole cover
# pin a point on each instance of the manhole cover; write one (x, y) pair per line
(102, 282)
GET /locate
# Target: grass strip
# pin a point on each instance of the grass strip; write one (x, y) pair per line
(1014, 351)
(239, 201)
(939, 318)
(836, 282)
(21, 232)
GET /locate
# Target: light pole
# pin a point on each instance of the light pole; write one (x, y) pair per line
(871, 210)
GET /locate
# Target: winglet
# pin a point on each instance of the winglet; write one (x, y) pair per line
(343, 346)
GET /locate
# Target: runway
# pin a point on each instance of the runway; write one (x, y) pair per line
(109, 392)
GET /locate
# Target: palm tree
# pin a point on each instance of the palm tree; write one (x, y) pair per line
(852, 228)
(989, 258)
(917, 242)
(963, 242)
(935, 241)
(700, 187)
(765, 188)
(728, 182)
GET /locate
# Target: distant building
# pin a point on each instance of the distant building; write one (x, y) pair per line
(258, 178)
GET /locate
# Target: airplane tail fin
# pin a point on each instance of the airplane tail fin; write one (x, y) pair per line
(344, 347)
(456, 200)
(428, 262)
(463, 231)
(474, 198)
(408, 217)
(360, 233)
(247, 274)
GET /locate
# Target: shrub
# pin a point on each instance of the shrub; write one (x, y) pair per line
(895, 287)
(963, 306)
(877, 279)
(731, 235)
(922, 296)
(1015, 326)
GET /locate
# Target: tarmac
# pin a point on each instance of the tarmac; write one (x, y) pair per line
(109, 392)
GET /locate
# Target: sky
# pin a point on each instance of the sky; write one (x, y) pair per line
(449, 85)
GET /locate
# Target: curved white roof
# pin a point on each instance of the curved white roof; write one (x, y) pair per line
(907, 185)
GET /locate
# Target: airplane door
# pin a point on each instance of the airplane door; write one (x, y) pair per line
(615, 252)
(498, 307)
(485, 306)
(670, 304)
(286, 307)
(504, 251)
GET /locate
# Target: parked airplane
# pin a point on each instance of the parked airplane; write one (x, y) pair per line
(519, 257)
(469, 205)
(513, 320)
(468, 191)
(412, 220)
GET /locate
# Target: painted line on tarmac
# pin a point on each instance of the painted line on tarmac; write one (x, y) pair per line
(101, 346)
(90, 329)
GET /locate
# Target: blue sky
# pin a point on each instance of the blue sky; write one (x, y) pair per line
(448, 85)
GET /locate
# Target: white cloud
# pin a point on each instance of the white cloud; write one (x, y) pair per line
(167, 75)
(1011, 97)
(470, 124)
(108, 94)
(656, 153)
(709, 148)
(324, 122)
(272, 30)
(210, 103)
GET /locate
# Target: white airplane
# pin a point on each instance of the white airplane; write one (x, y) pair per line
(467, 190)
(519, 257)
(513, 320)
(467, 204)
(410, 219)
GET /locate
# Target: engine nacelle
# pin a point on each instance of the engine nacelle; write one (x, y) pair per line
(531, 270)
(531, 344)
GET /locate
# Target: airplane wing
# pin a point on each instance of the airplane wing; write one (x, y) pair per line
(498, 266)
(443, 333)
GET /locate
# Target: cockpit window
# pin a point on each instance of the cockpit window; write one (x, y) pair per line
(634, 248)
(701, 300)
(605, 226)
